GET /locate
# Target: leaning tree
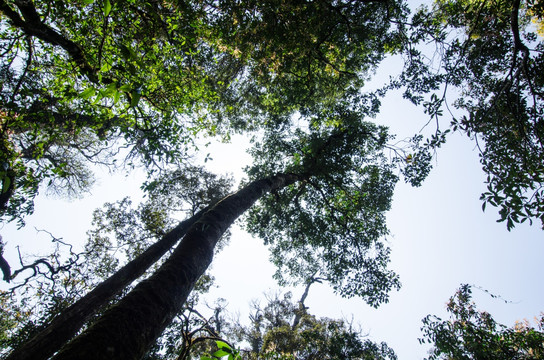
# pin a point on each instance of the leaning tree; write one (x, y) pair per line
(152, 75)
(85, 80)
(335, 194)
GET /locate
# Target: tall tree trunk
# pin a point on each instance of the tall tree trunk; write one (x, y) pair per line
(128, 329)
(62, 328)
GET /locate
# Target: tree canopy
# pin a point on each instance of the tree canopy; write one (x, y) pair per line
(488, 77)
(284, 329)
(83, 79)
(331, 223)
(155, 74)
(139, 83)
(474, 334)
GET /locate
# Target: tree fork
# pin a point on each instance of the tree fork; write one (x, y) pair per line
(62, 328)
(128, 329)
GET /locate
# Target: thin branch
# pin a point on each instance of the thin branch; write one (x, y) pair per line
(33, 25)
(301, 307)
(27, 66)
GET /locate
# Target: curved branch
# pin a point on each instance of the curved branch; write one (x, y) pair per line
(32, 25)
(301, 307)
(514, 23)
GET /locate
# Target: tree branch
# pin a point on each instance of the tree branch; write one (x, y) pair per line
(32, 25)
(301, 307)
(514, 23)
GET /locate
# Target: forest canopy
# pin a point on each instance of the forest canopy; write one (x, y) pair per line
(83, 79)
(136, 84)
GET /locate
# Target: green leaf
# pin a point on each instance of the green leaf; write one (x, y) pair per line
(111, 89)
(125, 87)
(135, 98)
(105, 67)
(222, 345)
(87, 93)
(107, 7)
(116, 96)
(220, 353)
(7, 183)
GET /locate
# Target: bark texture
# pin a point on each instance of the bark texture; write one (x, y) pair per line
(129, 328)
(61, 329)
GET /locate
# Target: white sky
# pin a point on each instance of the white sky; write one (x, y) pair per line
(439, 236)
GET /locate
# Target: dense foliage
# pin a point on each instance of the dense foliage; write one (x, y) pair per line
(333, 223)
(137, 83)
(284, 329)
(79, 76)
(474, 334)
(488, 77)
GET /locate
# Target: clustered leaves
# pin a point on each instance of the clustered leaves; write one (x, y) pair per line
(274, 334)
(474, 334)
(333, 221)
(489, 78)
(79, 76)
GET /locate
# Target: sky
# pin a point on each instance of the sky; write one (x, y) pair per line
(440, 239)
(439, 235)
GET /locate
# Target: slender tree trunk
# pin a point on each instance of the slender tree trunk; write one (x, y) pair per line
(62, 328)
(128, 329)
(301, 307)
